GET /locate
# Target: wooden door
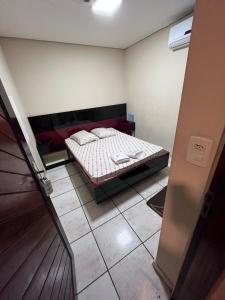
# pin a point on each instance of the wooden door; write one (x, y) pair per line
(203, 273)
(35, 260)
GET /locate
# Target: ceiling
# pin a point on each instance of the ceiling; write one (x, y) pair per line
(72, 21)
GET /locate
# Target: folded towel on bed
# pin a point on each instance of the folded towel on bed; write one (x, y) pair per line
(120, 158)
(135, 153)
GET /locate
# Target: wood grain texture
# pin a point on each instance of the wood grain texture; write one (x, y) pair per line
(10, 146)
(59, 276)
(17, 286)
(13, 230)
(16, 205)
(5, 128)
(64, 279)
(19, 251)
(41, 275)
(15, 183)
(49, 283)
(34, 256)
(67, 290)
(12, 164)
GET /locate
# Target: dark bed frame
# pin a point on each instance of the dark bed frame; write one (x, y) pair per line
(117, 184)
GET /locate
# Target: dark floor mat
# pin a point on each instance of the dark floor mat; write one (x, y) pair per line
(157, 202)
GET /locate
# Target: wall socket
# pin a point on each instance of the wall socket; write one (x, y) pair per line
(199, 149)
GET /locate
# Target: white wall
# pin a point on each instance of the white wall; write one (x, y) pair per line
(154, 79)
(56, 77)
(18, 107)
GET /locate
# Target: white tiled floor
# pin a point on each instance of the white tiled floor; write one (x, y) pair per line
(162, 177)
(126, 199)
(135, 278)
(98, 214)
(75, 224)
(62, 186)
(66, 202)
(89, 264)
(143, 220)
(115, 239)
(84, 194)
(114, 242)
(101, 289)
(147, 187)
(152, 244)
(62, 172)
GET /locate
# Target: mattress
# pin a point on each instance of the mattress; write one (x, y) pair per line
(95, 157)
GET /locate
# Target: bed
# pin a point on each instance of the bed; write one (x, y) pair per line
(105, 178)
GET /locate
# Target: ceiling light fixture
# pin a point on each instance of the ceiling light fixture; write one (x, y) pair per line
(106, 7)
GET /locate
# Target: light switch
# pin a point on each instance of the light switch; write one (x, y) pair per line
(199, 149)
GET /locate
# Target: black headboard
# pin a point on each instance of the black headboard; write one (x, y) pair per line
(64, 119)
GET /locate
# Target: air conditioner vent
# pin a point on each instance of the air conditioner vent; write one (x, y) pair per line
(180, 34)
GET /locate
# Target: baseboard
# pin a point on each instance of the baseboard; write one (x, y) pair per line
(164, 278)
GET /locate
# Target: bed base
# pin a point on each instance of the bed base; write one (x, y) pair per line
(120, 183)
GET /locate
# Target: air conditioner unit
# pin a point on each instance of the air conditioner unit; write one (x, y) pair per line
(180, 34)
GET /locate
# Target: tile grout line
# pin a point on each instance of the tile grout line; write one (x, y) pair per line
(92, 231)
(142, 242)
(111, 217)
(101, 253)
(110, 198)
(100, 224)
(91, 282)
(120, 212)
(76, 207)
(152, 235)
(69, 175)
(79, 199)
(108, 269)
(69, 211)
(132, 186)
(148, 252)
(74, 188)
(62, 167)
(125, 256)
(79, 238)
(128, 207)
(107, 220)
(62, 193)
(78, 173)
(147, 248)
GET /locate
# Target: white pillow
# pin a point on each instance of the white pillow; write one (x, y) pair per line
(103, 132)
(83, 137)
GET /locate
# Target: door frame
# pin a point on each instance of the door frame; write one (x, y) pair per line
(9, 112)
